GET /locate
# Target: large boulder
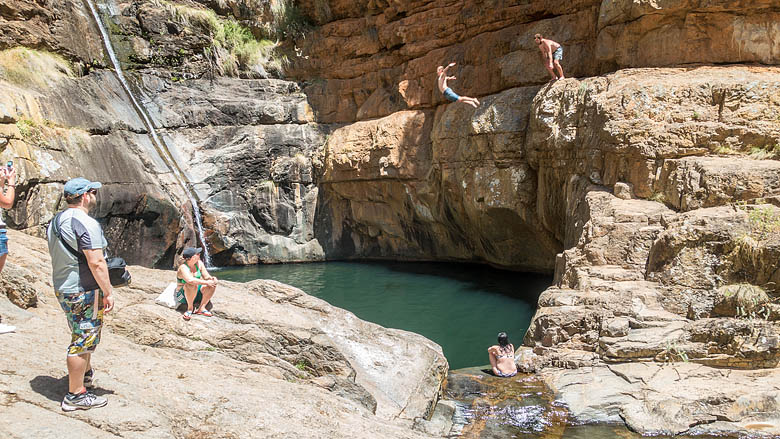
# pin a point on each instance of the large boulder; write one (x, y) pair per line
(273, 361)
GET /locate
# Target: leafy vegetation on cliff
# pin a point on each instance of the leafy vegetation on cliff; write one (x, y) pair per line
(233, 46)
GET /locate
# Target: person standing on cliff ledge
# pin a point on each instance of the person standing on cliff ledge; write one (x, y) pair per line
(447, 92)
(552, 54)
(82, 286)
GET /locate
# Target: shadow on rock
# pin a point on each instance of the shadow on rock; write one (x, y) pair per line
(55, 389)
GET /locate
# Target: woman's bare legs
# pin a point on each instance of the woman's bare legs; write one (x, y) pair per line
(189, 293)
(207, 292)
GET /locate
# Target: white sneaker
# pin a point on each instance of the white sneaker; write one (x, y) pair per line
(6, 328)
(82, 401)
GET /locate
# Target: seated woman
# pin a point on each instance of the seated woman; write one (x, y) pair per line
(196, 285)
(502, 357)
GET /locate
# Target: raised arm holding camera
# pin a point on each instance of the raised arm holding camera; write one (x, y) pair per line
(8, 185)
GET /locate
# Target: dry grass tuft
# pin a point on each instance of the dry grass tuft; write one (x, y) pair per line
(33, 68)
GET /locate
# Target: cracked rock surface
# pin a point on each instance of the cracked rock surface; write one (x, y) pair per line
(272, 362)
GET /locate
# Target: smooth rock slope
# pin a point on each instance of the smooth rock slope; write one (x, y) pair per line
(272, 362)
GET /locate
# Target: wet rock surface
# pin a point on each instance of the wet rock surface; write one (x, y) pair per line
(500, 184)
(525, 406)
(272, 361)
(247, 146)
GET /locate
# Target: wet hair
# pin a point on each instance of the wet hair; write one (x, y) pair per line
(537, 36)
(503, 339)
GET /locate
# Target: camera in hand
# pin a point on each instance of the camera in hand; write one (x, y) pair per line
(10, 164)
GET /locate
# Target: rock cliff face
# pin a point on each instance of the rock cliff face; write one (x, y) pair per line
(647, 185)
(654, 179)
(245, 145)
(272, 362)
(449, 182)
(81, 126)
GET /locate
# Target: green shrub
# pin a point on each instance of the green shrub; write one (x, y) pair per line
(658, 197)
(288, 21)
(743, 301)
(725, 150)
(233, 46)
(302, 365)
(30, 131)
(764, 222)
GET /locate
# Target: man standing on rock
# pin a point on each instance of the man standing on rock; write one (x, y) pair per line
(447, 92)
(552, 54)
(82, 286)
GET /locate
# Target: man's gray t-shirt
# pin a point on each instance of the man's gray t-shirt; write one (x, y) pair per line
(69, 273)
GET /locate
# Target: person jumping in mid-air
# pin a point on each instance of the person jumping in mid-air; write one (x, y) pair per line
(447, 92)
(552, 54)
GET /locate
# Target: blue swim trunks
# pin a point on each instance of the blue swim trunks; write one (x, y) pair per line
(3, 242)
(558, 54)
(451, 95)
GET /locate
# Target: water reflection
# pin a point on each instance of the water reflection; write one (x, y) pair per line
(460, 307)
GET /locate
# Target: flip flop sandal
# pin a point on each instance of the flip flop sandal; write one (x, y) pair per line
(187, 315)
(205, 313)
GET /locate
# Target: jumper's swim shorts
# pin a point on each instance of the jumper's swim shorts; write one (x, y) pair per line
(451, 95)
(558, 54)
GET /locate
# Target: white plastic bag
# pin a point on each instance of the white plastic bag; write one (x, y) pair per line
(166, 298)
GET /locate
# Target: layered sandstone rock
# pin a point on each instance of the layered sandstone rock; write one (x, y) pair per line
(273, 361)
(60, 26)
(373, 58)
(495, 184)
(245, 146)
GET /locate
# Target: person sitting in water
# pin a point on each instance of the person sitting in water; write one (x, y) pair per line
(502, 357)
(196, 285)
(448, 93)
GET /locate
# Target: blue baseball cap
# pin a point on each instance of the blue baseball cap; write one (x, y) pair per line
(77, 186)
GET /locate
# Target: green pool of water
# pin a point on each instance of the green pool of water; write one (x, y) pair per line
(460, 307)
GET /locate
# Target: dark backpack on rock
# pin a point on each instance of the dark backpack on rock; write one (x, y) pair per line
(117, 268)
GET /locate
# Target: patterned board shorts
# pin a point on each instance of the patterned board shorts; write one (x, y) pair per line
(84, 321)
(558, 54)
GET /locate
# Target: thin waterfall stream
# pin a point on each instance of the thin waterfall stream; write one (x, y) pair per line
(159, 144)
